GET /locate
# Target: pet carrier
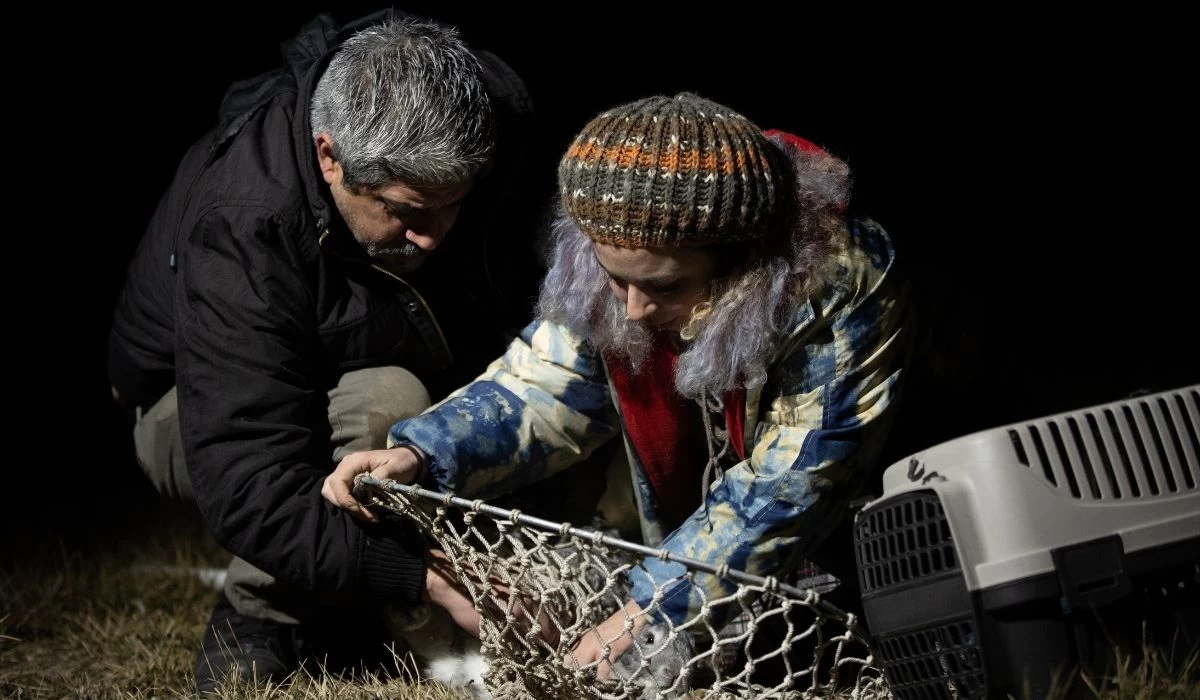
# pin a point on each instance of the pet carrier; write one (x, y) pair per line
(1003, 562)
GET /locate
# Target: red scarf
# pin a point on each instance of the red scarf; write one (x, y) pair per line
(666, 431)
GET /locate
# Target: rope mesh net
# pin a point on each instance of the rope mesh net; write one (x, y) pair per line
(541, 586)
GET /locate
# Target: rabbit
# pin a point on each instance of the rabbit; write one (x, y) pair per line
(446, 653)
(664, 658)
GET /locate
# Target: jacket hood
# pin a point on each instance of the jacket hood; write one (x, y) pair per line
(310, 47)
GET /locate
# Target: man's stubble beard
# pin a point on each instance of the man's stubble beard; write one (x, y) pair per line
(400, 260)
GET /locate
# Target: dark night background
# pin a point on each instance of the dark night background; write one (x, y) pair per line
(1029, 169)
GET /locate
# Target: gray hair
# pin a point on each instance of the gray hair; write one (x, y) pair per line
(404, 101)
(735, 334)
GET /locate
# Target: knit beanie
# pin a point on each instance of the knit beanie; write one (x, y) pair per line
(669, 172)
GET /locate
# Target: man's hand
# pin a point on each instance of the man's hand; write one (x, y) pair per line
(400, 464)
(590, 647)
(442, 588)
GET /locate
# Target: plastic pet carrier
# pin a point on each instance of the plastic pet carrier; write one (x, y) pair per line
(1003, 562)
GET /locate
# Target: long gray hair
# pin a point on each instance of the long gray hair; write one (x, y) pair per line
(404, 100)
(735, 334)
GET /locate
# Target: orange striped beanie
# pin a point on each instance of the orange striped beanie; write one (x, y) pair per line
(668, 172)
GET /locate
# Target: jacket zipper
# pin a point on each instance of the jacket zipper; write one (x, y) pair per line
(415, 293)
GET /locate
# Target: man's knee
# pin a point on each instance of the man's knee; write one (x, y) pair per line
(367, 402)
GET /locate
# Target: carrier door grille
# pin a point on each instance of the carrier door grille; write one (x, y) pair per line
(936, 663)
(902, 540)
(904, 549)
(1136, 448)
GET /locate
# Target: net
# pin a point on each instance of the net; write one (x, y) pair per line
(542, 586)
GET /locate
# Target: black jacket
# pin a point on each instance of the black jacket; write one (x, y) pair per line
(249, 295)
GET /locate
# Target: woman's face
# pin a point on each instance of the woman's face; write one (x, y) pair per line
(658, 287)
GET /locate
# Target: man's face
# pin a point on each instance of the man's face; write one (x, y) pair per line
(657, 287)
(397, 225)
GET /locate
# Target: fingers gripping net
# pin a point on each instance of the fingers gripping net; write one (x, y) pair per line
(540, 587)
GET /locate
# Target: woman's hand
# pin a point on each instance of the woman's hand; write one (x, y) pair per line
(590, 647)
(400, 464)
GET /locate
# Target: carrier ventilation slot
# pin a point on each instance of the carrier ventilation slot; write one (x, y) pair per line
(1136, 448)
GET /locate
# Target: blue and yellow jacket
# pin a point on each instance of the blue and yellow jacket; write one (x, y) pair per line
(812, 431)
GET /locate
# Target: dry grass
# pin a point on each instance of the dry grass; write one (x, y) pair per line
(1151, 678)
(102, 615)
(117, 615)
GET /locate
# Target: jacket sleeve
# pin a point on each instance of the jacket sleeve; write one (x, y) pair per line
(825, 411)
(541, 407)
(253, 417)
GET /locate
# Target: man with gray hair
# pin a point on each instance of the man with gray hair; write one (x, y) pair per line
(286, 306)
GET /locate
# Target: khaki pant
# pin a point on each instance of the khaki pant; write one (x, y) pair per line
(362, 408)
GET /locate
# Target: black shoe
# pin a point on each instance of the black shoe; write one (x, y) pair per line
(253, 649)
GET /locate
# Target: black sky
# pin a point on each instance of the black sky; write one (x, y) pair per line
(1034, 171)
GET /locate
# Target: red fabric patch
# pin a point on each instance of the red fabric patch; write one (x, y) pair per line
(666, 431)
(735, 412)
(799, 143)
